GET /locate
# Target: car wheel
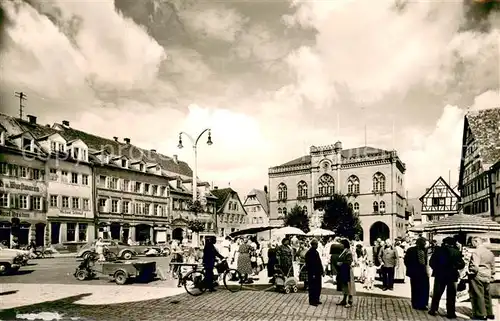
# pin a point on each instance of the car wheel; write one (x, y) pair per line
(81, 275)
(86, 255)
(4, 268)
(127, 255)
(120, 277)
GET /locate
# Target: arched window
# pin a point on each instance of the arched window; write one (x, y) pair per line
(356, 208)
(305, 209)
(350, 206)
(282, 192)
(375, 207)
(284, 211)
(381, 207)
(302, 189)
(378, 183)
(353, 185)
(279, 211)
(326, 185)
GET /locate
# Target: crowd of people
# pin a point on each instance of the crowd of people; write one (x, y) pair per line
(347, 262)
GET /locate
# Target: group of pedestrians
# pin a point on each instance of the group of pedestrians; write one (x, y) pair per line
(450, 271)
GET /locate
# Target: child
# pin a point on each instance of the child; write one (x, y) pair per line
(371, 272)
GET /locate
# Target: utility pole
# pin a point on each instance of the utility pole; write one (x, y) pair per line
(22, 97)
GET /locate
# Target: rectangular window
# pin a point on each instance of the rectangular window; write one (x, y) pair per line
(4, 169)
(154, 190)
(53, 146)
(70, 232)
(102, 181)
(139, 208)
(126, 185)
(74, 178)
(85, 179)
(126, 207)
(113, 183)
(53, 174)
(23, 172)
(65, 202)
(82, 232)
(75, 203)
(76, 153)
(64, 176)
(36, 174)
(147, 209)
(36, 203)
(53, 200)
(23, 202)
(86, 204)
(102, 205)
(162, 190)
(114, 206)
(146, 188)
(137, 187)
(4, 200)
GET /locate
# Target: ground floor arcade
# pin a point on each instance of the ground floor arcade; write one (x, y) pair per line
(24, 231)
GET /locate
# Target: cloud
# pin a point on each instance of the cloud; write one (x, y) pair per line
(215, 21)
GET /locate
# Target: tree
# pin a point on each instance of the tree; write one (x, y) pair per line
(195, 207)
(297, 218)
(341, 219)
(196, 226)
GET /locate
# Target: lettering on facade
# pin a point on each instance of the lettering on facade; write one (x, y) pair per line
(19, 186)
(15, 214)
(72, 212)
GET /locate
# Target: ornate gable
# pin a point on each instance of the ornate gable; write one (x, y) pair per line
(440, 198)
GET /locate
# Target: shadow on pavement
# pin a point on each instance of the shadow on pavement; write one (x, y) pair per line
(8, 292)
(23, 272)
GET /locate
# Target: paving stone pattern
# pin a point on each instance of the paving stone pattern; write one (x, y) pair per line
(223, 305)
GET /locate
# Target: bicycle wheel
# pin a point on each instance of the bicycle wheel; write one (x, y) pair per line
(194, 283)
(233, 280)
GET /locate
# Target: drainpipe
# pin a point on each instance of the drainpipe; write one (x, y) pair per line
(491, 192)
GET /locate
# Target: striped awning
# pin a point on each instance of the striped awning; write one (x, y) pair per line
(463, 223)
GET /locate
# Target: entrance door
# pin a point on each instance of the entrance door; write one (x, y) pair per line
(5, 233)
(115, 231)
(55, 228)
(40, 234)
(177, 234)
(24, 234)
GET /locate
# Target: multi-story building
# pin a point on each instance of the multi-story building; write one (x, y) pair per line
(133, 191)
(480, 151)
(495, 188)
(231, 214)
(415, 208)
(439, 201)
(23, 190)
(257, 207)
(371, 178)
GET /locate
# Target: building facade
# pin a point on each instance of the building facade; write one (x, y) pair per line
(439, 201)
(495, 188)
(23, 190)
(231, 214)
(480, 151)
(371, 178)
(256, 206)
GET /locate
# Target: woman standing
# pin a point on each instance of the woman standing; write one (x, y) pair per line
(99, 249)
(346, 275)
(272, 261)
(400, 272)
(285, 257)
(244, 261)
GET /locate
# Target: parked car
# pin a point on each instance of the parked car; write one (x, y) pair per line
(10, 261)
(121, 250)
(22, 255)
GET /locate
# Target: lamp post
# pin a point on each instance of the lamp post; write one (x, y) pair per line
(194, 143)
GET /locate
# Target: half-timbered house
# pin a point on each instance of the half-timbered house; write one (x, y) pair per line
(439, 201)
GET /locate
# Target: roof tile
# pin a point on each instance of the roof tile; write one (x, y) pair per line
(485, 126)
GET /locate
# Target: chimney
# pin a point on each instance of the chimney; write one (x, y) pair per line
(153, 151)
(176, 160)
(265, 189)
(216, 187)
(65, 123)
(126, 140)
(115, 138)
(32, 119)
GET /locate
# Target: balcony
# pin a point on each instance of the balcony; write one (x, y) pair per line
(379, 192)
(302, 198)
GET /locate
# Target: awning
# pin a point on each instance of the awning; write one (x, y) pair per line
(463, 223)
(253, 230)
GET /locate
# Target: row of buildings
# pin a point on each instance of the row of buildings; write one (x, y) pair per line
(373, 180)
(61, 185)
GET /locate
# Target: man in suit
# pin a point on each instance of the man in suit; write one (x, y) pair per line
(416, 269)
(389, 259)
(210, 253)
(481, 274)
(314, 273)
(335, 250)
(446, 262)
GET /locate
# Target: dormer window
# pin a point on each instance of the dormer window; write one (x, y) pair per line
(57, 147)
(124, 163)
(106, 159)
(179, 183)
(76, 153)
(142, 168)
(28, 144)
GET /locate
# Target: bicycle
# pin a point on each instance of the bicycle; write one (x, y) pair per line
(195, 283)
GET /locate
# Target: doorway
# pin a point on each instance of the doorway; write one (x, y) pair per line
(55, 229)
(177, 234)
(40, 234)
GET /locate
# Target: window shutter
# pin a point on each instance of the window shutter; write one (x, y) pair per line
(16, 201)
(31, 201)
(44, 204)
(12, 200)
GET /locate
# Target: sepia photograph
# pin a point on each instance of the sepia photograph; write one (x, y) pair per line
(233, 160)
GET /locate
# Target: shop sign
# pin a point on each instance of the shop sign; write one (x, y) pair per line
(19, 186)
(15, 214)
(72, 212)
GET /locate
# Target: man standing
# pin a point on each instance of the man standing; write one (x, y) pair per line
(389, 259)
(416, 269)
(314, 273)
(209, 255)
(481, 274)
(335, 250)
(446, 262)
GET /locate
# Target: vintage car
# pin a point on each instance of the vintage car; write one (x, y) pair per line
(23, 255)
(121, 250)
(10, 261)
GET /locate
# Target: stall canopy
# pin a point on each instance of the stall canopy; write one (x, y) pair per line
(253, 230)
(463, 223)
(419, 228)
(320, 232)
(289, 230)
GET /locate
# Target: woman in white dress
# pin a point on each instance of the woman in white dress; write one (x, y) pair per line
(99, 249)
(400, 273)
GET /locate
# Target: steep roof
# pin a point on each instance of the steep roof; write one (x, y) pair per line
(98, 143)
(262, 197)
(440, 179)
(346, 153)
(222, 196)
(485, 126)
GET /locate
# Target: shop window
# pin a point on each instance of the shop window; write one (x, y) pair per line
(4, 200)
(70, 232)
(82, 232)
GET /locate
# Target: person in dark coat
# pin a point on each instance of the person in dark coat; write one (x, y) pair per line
(446, 262)
(210, 253)
(335, 250)
(314, 273)
(345, 274)
(272, 261)
(416, 269)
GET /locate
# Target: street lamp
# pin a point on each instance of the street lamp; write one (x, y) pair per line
(194, 142)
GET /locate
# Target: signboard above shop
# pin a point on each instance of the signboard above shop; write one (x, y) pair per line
(36, 187)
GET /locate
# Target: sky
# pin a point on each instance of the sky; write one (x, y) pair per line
(270, 78)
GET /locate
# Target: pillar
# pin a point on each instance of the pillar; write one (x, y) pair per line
(77, 232)
(131, 232)
(151, 234)
(30, 233)
(62, 232)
